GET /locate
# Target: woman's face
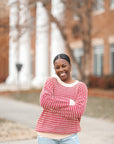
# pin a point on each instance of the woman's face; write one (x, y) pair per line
(62, 69)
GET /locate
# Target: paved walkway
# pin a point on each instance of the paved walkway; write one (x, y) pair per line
(33, 141)
(94, 131)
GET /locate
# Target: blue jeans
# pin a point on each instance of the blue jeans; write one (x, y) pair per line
(73, 139)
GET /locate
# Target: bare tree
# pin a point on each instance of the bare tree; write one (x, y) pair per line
(83, 10)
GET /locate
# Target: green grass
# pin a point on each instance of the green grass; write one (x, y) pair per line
(33, 98)
(100, 107)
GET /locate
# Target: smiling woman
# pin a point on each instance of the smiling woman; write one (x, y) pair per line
(64, 101)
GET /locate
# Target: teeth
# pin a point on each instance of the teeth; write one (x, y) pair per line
(62, 74)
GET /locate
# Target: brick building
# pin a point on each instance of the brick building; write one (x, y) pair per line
(103, 33)
(102, 56)
(4, 39)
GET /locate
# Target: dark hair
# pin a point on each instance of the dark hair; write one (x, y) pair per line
(62, 56)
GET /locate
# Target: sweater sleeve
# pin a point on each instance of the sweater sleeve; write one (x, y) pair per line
(77, 110)
(48, 100)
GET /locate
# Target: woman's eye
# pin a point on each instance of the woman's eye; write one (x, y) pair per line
(64, 66)
(56, 67)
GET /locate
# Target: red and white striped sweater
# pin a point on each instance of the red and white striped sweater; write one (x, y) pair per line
(58, 116)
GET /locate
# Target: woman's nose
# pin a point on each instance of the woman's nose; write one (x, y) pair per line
(61, 69)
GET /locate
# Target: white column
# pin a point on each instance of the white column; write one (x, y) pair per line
(13, 41)
(57, 42)
(42, 46)
(25, 43)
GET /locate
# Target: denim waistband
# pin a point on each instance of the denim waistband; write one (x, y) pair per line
(62, 139)
(69, 137)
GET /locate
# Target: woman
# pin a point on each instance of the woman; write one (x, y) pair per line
(63, 100)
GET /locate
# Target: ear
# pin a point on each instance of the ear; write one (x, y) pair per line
(70, 67)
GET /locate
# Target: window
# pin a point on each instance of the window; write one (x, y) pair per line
(112, 3)
(76, 17)
(98, 60)
(78, 54)
(112, 58)
(99, 5)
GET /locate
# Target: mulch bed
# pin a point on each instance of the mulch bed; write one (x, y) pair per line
(101, 93)
(11, 131)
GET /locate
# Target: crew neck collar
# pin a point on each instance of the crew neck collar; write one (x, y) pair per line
(66, 84)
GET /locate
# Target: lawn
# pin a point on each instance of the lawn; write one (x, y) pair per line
(100, 107)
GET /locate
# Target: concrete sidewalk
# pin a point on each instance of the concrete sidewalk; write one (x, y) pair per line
(33, 141)
(94, 131)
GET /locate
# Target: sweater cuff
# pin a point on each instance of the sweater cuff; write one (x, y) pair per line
(72, 102)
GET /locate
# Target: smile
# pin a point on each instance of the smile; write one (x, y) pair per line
(62, 74)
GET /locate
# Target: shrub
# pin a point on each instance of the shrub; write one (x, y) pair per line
(110, 82)
(2, 79)
(104, 82)
(93, 81)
